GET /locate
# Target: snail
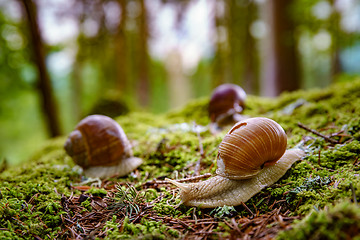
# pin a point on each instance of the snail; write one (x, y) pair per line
(251, 156)
(99, 145)
(226, 103)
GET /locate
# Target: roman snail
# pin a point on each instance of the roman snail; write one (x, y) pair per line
(251, 156)
(99, 145)
(226, 103)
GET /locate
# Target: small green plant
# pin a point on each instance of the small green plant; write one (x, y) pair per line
(223, 212)
(128, 201)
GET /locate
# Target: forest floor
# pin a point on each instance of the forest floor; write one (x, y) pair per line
(48, 198)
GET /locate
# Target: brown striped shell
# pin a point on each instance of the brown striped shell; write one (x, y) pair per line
(250, 145)
(226, 100)
(99, 145)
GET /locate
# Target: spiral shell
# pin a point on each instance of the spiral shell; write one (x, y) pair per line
(226, 100)
(249, 146)
(99, 145)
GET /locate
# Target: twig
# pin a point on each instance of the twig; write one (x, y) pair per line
(201, 149)
(236, 225)
(356, 161)
(248, 209)
(189, 179)
(318, 134)
(264, 222)
(353, 193)
(185, 225)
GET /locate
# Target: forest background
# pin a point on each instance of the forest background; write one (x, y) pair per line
(63, 60)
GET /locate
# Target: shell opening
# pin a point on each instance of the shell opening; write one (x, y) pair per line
(238, 126)
(220, 170)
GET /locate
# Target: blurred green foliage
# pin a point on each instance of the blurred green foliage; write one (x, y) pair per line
(93, 61)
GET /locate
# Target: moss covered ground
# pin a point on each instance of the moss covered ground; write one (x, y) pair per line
(48, 198)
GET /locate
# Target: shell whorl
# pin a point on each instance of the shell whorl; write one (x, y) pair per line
(249, 146)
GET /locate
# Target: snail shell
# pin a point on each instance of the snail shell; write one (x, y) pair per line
(251, 156)
(226, 103)
(99, 145)
(248, 146)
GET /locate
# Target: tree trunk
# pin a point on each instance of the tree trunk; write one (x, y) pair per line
(143, 89)
(281, 64)
(251, 53)
(236, 27)
(121, 53)
(220, 58)
(335, 29)
(49, 107)
(76, 86)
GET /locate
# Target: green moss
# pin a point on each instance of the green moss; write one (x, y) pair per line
(195, 111)
(99, 192)
(168, 204)
(143, 230)
(341, 221)
(87, 205)
(30, 194)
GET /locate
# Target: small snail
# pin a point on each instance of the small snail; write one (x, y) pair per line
(226, 104)
(251, 156)
(99, 145)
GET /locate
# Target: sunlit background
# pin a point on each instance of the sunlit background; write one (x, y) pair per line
(116, 56)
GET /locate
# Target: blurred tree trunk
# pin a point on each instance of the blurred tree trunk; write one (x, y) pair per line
(44, 84)
(242, 51)
(219, 62)
(236, 56)
(143, 88)
(281, 71)
(236, 27)
(335, 30)
(179, 86)
(250, 53)
(76, 77)
(336, 64)
(120, 49)
(76, 86)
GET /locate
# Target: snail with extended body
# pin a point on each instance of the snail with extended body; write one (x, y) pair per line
(99, 145)
(251, 156)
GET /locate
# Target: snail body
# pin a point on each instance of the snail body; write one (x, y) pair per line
(220, 191)
(264, 155)
(99, 145)
(226, 103)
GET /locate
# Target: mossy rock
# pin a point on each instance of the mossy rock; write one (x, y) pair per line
(38, 198)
